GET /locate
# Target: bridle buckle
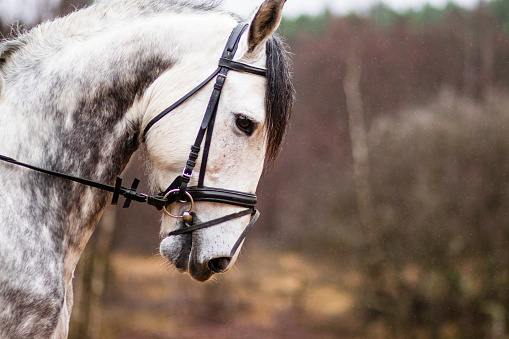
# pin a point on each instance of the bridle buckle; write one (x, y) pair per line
(185, 174)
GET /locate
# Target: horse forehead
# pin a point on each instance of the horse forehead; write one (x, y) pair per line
(245, 93)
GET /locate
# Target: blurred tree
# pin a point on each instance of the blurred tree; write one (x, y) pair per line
(487, 29)
(501, 10)
(384, 16)
(442, 177)
(427, 15)
(314, 25)
(357, 129)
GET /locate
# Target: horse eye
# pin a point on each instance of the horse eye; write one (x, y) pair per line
(245, 125)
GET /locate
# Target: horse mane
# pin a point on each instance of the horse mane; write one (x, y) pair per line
(101, 16)
(95, 18)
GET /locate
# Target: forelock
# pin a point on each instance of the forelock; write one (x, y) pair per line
(279, 96)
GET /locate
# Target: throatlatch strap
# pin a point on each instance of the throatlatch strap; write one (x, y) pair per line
(179, 102)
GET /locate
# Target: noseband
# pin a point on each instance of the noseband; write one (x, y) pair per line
(178, 191)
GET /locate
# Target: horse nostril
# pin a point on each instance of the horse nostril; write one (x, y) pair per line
(218, 265)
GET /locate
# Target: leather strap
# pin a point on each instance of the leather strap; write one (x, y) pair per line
(225, 64)
(207, 124)
(244, 233)
(254, 217)
(199, 194)
(179, 102)
(241, 67)
(213, 222)
(223, 196)
(211, 194)
(206, 149)
(117, 190)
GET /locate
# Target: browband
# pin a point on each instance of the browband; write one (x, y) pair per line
(241, 67)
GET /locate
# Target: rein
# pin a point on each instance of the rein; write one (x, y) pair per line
(196, 194)
(117, 190)
(178, 191)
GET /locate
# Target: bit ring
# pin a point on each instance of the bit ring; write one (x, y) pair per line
(182, 201)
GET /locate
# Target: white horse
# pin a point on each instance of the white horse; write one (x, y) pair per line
(76, 95)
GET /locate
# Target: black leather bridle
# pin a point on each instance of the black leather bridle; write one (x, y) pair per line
(179, 191)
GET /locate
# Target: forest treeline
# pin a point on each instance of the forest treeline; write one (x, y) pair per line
(433, 91)
(406, 60)
(429, 90)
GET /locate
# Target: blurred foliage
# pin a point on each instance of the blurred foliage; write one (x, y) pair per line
(440, 182)
(501, 10)
(434, 88)
(304, 24)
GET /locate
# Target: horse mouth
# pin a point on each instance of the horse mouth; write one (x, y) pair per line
(178, 250)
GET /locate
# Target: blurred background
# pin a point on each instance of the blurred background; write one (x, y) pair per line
(387, 213)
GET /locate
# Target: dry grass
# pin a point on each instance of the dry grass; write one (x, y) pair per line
(267, 295)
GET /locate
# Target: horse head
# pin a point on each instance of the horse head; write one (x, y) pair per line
(249, 123)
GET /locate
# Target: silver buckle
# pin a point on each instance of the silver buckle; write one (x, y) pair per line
(184, 174)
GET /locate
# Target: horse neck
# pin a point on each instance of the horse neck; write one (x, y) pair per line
(72, 105)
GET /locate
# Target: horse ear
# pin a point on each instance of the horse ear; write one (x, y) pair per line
(6, 50)
(264, 24)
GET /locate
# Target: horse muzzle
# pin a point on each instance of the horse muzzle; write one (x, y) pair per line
(202, 251)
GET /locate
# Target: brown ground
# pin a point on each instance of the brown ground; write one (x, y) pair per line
(266, 295)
